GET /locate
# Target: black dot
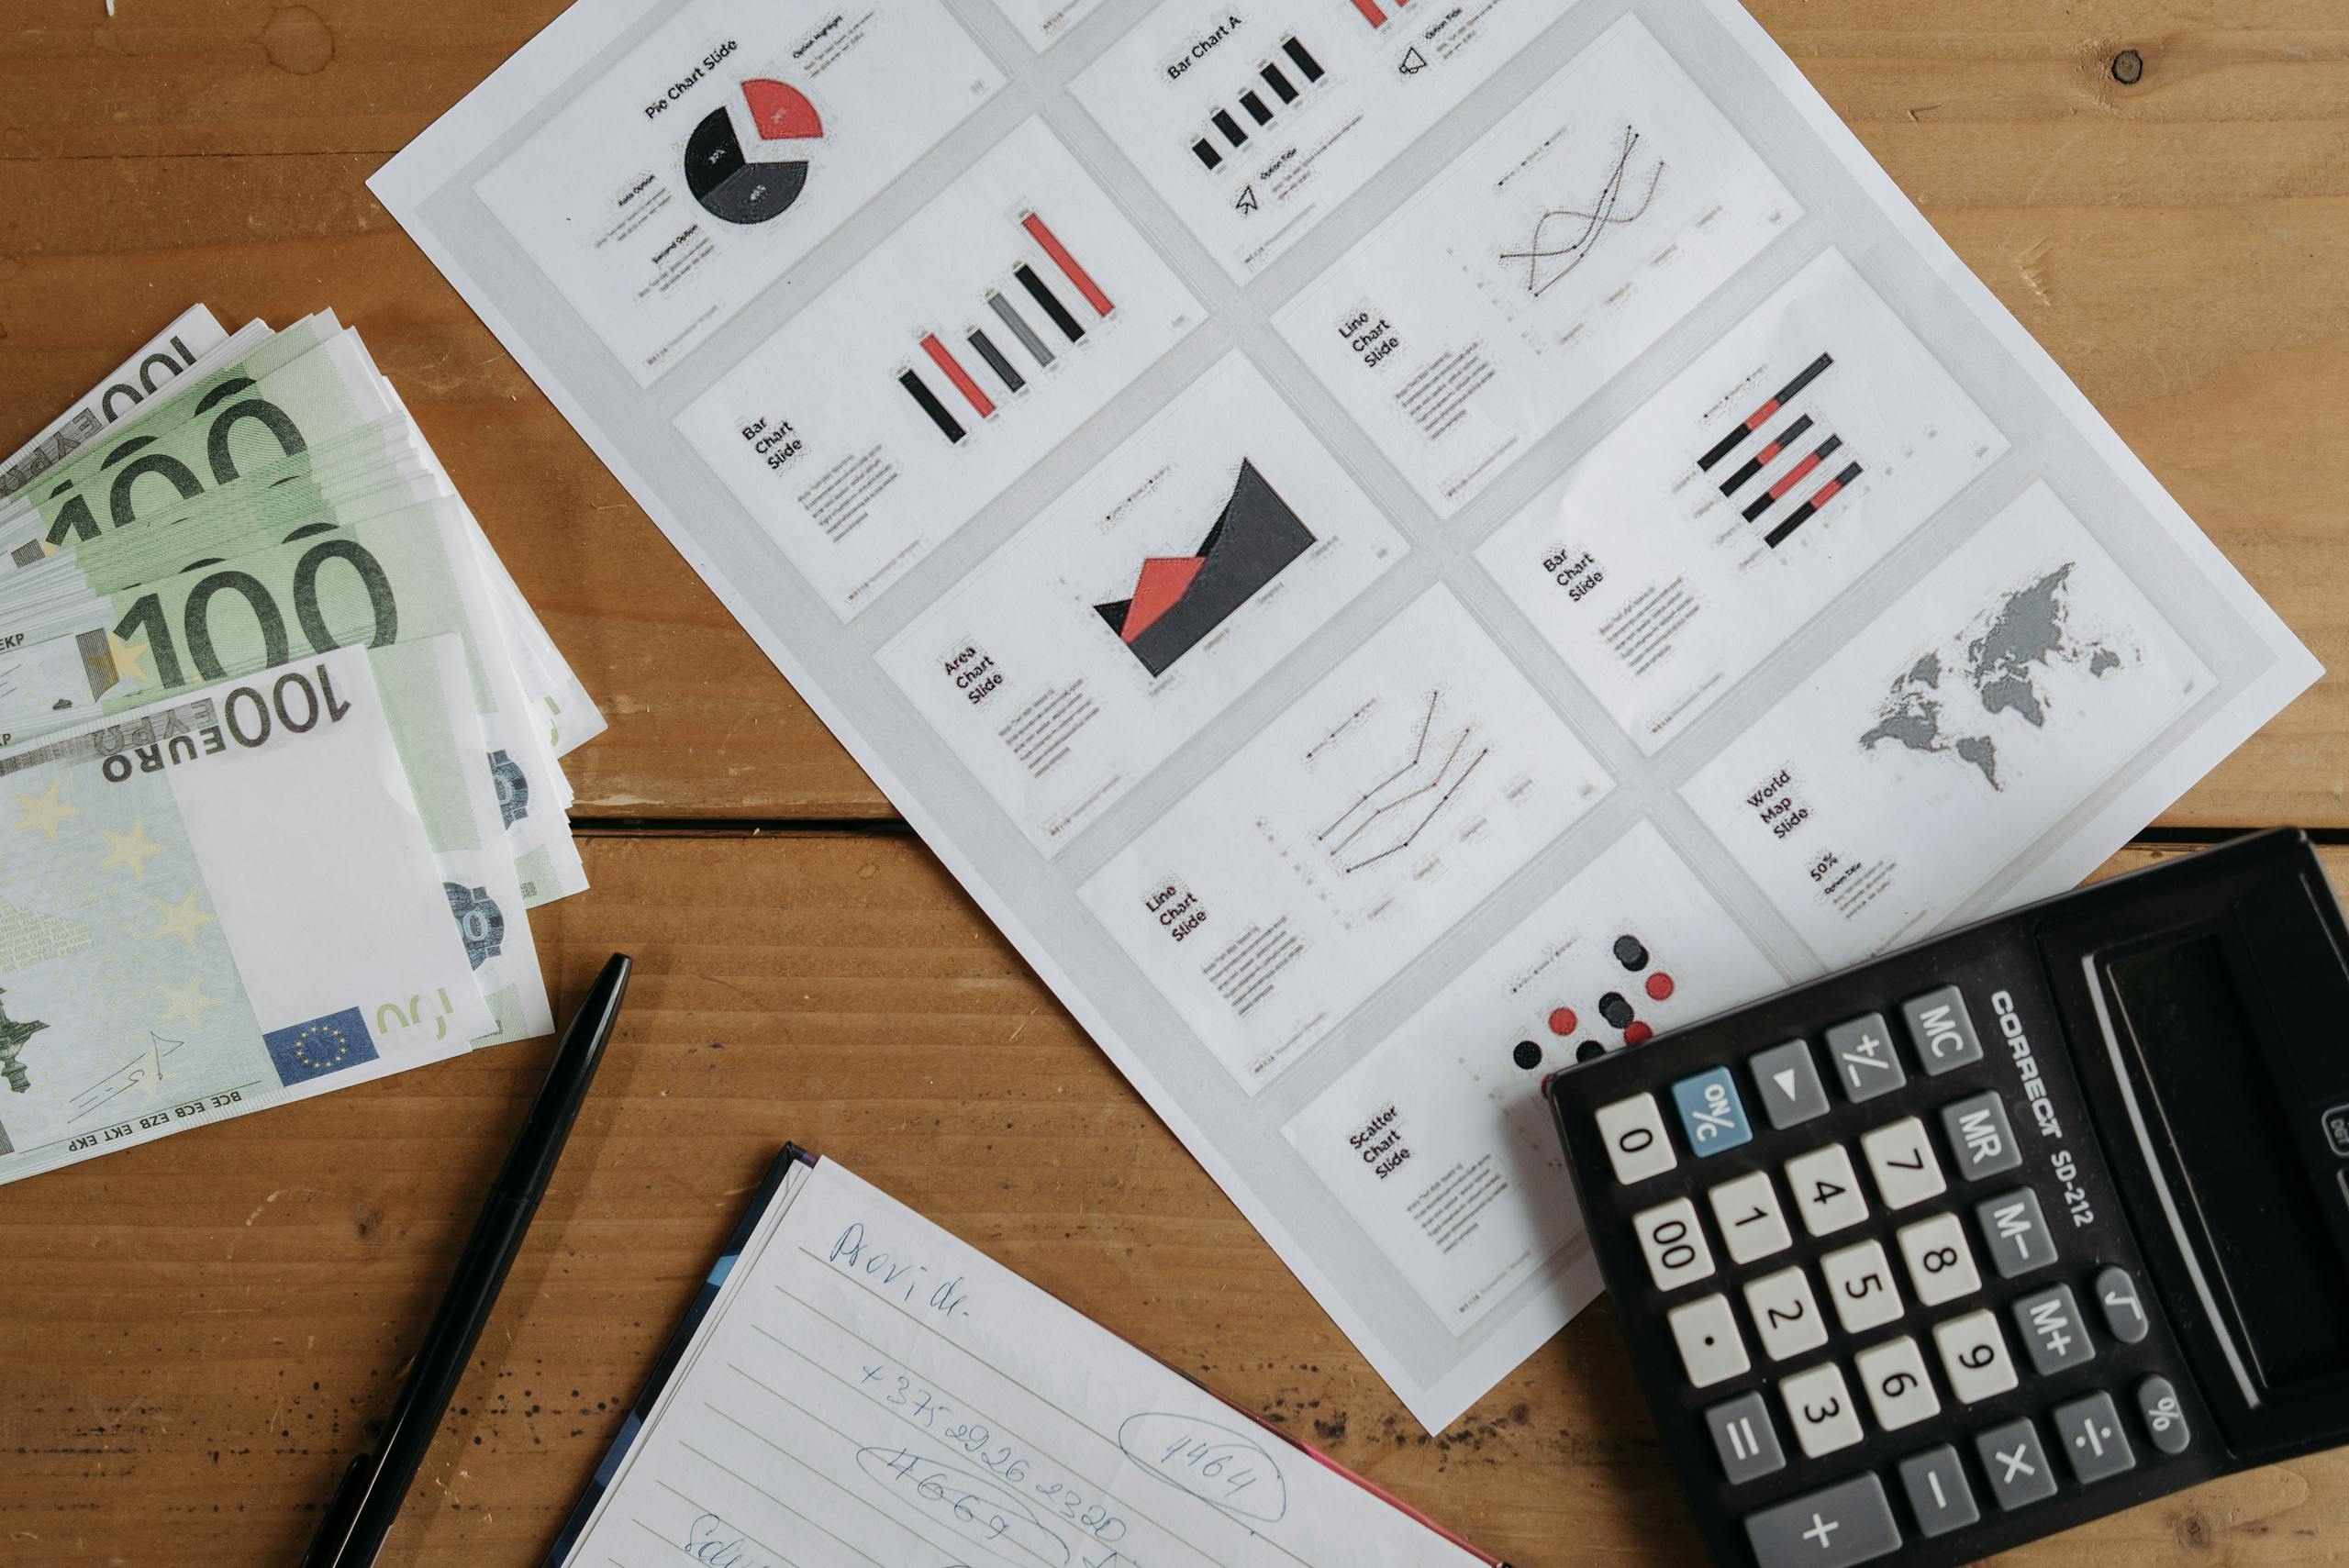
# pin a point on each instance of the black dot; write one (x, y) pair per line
(1630, 954)
(1589, 1051)
(1526, 1055)
(1614, 1009)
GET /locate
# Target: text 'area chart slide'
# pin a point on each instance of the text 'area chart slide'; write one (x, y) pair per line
(964, 348)
(1254, 120)
(1989, 699)
(659, 199)
(1338, 843)
(1437, 1141)
(1162, 586)
(1044, 23)
(1792, 456)
(1538, 266)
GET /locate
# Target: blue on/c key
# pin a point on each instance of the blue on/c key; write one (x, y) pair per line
(1711, 1114)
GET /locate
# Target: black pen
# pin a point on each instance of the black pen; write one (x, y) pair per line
(369, 1499)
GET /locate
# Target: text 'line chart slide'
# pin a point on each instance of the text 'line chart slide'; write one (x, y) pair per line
(1558, 249)
(1990, 700)
(1437, 1141)
(958, 352)
(1332, 848)
(1792, 456)
(1254, 120)
(662, 198)
(1044, 23)
(1161, 586)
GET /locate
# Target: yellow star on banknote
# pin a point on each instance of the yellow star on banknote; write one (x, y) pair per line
(180, 919)
(127, 658)
(45, 811)
(130, 848)
(186, 1003)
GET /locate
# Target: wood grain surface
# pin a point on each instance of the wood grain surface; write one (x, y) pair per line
(196, 1335)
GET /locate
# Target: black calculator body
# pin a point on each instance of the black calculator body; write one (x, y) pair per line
(1996, 1234)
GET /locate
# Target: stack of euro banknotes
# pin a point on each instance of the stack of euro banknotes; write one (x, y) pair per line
(278, 748)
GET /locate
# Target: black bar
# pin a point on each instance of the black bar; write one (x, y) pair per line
(1764, 501)
(1206, 152)
(1807, 510)
(1278, 84)
(1811, 373)
(1305, 61)
(1761, 460)
(1255, 107)
(932, 406)
(1777, 400)
(1050, 302)
(994, 357)
(1230, 128)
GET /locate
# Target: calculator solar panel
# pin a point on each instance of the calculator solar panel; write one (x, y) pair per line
(1925, 1257)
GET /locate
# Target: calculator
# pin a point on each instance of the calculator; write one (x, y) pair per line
(1998, 1233)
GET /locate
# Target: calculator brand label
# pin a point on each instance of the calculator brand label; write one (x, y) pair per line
(2336, 1130)
(2035, 1088)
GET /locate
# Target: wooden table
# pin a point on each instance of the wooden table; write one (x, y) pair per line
(196, 1335)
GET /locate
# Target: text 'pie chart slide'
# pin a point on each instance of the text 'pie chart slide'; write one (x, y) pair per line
(725, 179)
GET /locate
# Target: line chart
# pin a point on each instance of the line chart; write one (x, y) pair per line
(1604, 212)
(1344, 840)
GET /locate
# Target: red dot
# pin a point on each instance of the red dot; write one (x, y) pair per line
(1636, 1033)
(1659, 985)
(1562, 1022)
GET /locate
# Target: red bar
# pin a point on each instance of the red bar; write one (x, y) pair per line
(1370, 12)
(957, 374)
(1067, 264)
(1794, 476)
(1755, 421)
(1826, 493)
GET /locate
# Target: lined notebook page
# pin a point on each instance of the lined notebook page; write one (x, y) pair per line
(868, 1392)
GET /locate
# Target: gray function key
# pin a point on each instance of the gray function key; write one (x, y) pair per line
(1941, 1030)
(2093, 1439)
(1979, 1131)
(1789, 1083)
(2016, 1461)
(2053, 1334)
(1848, 1522)
(1864, 1058)
(2163, 1417)
(1938, 1493)
(2016, 1232)
(2124, 1311)
(1748, 1442)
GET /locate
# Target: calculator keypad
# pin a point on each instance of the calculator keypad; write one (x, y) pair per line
(1826, 1190)
(1941, 1264)
(1928, 1332)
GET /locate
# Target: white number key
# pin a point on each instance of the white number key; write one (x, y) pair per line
(1753, 1225)
(1941, 1265)
(1903, 1164)
(1820, 1407)
(1710, 1347)
(1676, 1248)
(1826, 1189)
(1974, 1353)
(1786, 1314)
(1636, 1143)
(1899, 1391)
(1860, 1284)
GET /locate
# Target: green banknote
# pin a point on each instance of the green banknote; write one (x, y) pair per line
(214, 904)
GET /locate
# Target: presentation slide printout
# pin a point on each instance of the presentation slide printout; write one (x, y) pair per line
(1393, 546)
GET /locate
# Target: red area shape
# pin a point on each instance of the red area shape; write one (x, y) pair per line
(1370, 12)
(782, 112)
(1164, 579)
(1660, 985)
(1637, 1033)
(1562, 1021)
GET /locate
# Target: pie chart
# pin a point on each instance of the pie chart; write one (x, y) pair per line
(730, 183)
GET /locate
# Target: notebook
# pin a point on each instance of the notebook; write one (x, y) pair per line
(853, 1387)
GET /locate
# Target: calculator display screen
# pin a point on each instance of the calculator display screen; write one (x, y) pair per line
(2256, 1205)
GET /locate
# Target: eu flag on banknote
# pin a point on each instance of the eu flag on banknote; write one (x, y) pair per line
(329, 1044)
